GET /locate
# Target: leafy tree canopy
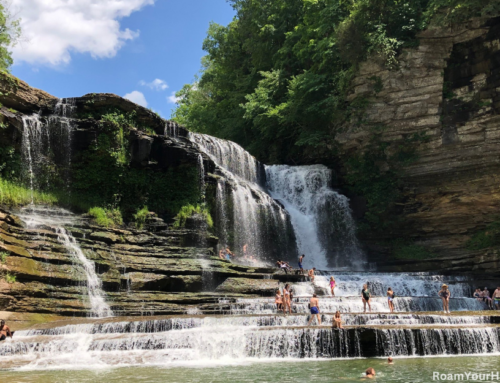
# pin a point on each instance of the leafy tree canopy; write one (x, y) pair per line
(275, 79)
(10, 31)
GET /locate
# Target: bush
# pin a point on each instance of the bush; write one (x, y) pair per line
(10, 278)
(485, 238)
(188, 211)
(106, 217)
(3, 257)
(13, 194)
(140, 217)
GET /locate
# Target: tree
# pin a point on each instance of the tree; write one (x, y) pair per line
(10, 31)
(275, 80)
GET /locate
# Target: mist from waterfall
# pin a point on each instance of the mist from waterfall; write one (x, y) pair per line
(321, 217)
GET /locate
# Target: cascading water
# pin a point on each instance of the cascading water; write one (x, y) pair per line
(39, 136)
(321, 217)
(100, 308)
(247, 215)
(55, 219)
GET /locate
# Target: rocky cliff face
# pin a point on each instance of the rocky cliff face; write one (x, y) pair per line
(447, 89)
(159, 269)
(144, 272)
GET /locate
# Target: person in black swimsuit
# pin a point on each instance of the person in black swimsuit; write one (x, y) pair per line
(365, 295)
(445, 295)
(4, 331)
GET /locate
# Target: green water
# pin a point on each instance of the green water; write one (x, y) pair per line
(350, 370)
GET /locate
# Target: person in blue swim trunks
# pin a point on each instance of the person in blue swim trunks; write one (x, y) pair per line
(314, 307)
(300, 264)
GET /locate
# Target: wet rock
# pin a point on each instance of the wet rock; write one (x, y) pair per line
(105, 237)
(265, 287)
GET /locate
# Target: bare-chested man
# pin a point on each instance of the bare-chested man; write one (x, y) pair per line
(310, 274)
(496, 298)
(314, 307)
(4, 331)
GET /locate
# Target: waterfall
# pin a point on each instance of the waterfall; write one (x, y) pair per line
(246, 214)
(321, 217)
(100, 308)
(44, 138)
(31, 148)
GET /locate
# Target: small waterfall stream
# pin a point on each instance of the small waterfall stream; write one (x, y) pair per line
(39, 136)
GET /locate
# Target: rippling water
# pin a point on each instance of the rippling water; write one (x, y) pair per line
(419, 370)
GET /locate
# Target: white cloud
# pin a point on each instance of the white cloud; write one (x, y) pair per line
(172, 99)
(54, 29)
(156, 84)
(137, 97)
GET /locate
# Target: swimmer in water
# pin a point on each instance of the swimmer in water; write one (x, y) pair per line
(370, 373)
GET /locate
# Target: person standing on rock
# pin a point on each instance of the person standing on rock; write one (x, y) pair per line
(4, 331)
(365, 296)
(314, 307)
(496, 298)
(332, 285)
(445, 295)
(311, 274)
(286, 299)
(301, 268)
(390, 299)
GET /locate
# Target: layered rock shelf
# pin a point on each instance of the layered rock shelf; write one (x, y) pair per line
(165, 272)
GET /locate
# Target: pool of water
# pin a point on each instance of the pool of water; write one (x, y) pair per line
(285, 370)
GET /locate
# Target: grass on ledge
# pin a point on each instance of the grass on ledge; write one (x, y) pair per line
(13, 194)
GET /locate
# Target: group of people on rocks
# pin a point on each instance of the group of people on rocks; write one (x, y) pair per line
(245, 256)
(492, 302)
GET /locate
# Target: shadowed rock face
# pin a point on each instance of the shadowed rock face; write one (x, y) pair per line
(447, 89)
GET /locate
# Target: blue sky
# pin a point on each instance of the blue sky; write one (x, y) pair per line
(89, 52)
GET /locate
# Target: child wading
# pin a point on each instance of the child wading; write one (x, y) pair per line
(445, 295)
(278, 301)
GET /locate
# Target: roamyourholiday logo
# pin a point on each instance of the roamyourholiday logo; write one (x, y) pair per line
(467, 376)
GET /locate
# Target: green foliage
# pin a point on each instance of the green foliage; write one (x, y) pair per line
(10, 278)
(10, 31)
(3, 256)
(14, 194)
(10, 163)
(455, 11)
(106, 217)
(412, 251)
(485, 238)
(275, 79)
(189, 210)
(140, 217)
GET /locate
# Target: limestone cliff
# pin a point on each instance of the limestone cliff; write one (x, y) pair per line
(447, 89)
